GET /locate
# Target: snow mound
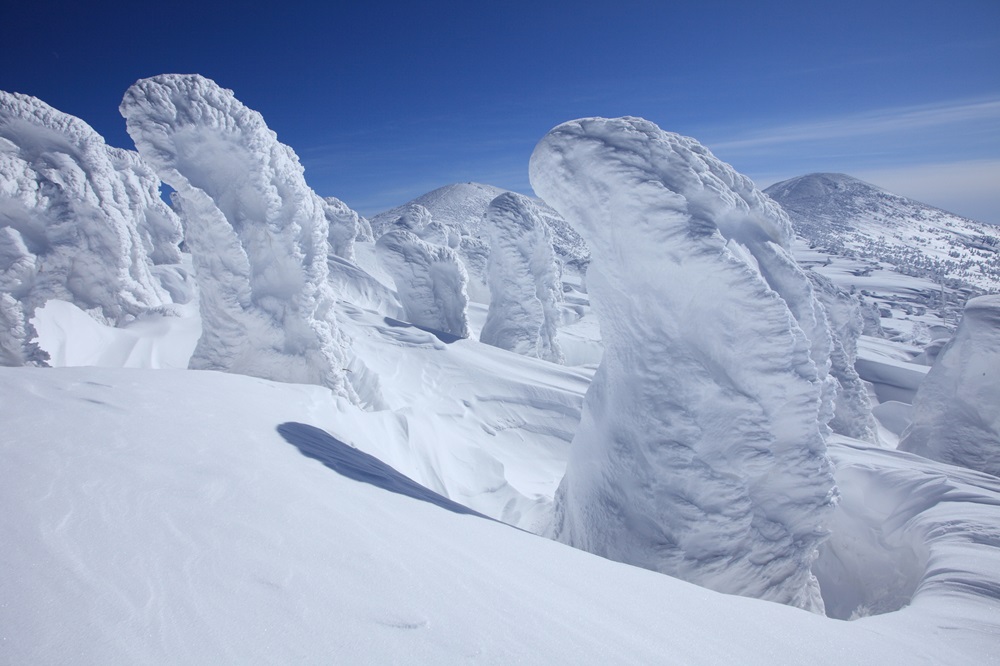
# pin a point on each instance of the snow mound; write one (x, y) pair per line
(430, 281)
(913, 536)
(524, 280)
(258, 234)
(700, 453)
(957, 406)
(71, 209)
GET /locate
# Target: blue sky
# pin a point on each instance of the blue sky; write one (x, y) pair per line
(385, 101)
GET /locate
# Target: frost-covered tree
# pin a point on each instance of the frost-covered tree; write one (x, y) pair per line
(257, 232)
(430, 281)
(71, 222)
(344, 227)
(853, 410)
(957, 407)
(701, 449)
(159, 226)
(524, 280)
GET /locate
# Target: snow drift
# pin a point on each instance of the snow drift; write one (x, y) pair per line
(700, 453)
(957, 407)
(430, 281)
(259, 235)
(524, 280)
(71, 209)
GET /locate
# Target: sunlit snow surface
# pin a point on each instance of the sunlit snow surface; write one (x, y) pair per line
(157, 514)
(162, 516)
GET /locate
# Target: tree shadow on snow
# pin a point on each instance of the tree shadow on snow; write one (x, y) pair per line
(359, 466)
(446, 338)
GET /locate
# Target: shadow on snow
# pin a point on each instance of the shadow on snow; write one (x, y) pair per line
(359, 466)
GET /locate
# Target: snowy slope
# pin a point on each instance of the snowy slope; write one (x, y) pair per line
(166, 517)
(847, 216)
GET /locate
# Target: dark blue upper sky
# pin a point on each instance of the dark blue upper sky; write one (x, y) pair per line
(385, 101)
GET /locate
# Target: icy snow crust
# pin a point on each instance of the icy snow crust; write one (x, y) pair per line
(430, 280)
(258, 234)
(524, 280)
(77, 219)
(957, 407)
(702, 457)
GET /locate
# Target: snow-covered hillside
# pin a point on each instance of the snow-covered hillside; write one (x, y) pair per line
(390, 499)
(850, 217)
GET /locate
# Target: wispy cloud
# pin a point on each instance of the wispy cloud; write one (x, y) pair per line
(878, 122)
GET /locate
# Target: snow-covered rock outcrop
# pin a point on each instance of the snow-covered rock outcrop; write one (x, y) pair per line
(70, 211)
(957, 407)
(524, 280)
(257, 232)
(701, 451)
(430, 281)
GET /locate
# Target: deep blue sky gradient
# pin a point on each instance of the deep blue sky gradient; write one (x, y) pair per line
(385, 101)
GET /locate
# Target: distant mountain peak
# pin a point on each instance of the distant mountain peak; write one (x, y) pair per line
(847, 216)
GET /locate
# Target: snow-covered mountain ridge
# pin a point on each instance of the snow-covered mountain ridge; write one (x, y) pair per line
(849, 217)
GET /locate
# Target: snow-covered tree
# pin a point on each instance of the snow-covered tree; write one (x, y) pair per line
(524, 280)
(430, 281)
(701, 448)
(853, 410)
(957, 407)
(257, 232)
(344, 227)
(71, 215)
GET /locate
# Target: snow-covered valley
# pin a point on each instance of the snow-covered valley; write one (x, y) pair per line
(314, 437)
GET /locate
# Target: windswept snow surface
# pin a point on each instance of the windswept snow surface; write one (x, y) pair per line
(71, 210)
(524, 280)
(700, 453)
(258, 234)
(180, 516)
(430, 280)
(957, 407)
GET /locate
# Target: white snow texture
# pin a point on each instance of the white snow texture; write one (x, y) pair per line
(77, 219)
(957, 407)
(430, 281)
(258, 234)
(700, 453)
(524, 280)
